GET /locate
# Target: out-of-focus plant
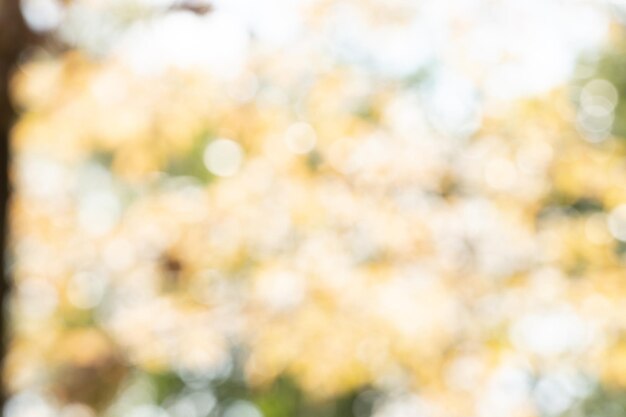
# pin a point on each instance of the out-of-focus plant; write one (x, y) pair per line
(325, 208)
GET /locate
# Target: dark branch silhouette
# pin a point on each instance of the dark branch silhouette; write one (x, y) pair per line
(14, 39)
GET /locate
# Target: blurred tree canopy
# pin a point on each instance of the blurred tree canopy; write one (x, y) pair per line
(318, 208)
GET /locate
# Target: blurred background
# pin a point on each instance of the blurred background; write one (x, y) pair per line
(315, 208)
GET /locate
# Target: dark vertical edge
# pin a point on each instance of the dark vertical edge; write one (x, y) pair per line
(14, 38)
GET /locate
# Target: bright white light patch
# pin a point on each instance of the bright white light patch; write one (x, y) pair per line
(99, 212)
(595, 117)
(300, 138)
(405, 406)
(599, 94)
(273, 22)
(554, 395)
(242, 409)
(281, 290)
(217, 42)
(507, 391)
(223, 157)
(28, 404)
(617, 223)
(550, 333)
(148, 410)
(77, 410)
(453, 105)
(42, 15)
(41, 177)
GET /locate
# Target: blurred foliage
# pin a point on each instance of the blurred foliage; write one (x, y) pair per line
(348, 209)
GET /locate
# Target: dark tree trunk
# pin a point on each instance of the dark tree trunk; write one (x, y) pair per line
(14, 38)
